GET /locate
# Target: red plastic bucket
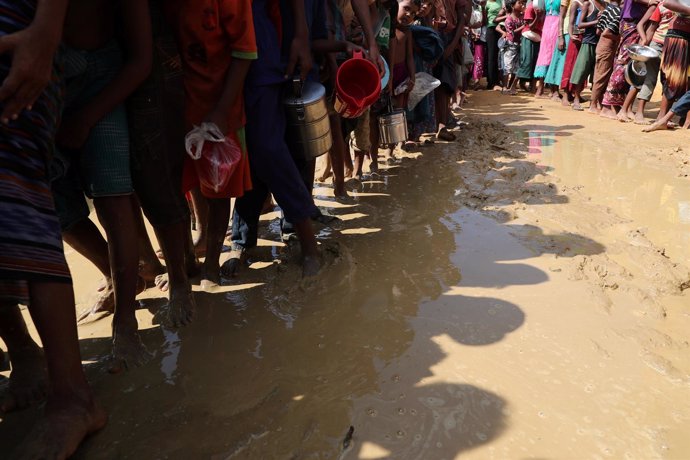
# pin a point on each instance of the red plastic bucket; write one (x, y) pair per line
(357, 86)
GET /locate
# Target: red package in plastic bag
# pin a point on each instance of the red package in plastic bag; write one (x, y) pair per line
(216, 156)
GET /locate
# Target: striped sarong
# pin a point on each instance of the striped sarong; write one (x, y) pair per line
(30, 240)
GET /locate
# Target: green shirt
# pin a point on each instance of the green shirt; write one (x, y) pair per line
(492, 9)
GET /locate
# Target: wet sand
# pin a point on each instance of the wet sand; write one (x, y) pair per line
(521, 293)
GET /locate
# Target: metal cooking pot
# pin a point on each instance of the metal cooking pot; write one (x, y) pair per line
(308, 128)
(393, 127)
(635, 73)
(642, 53)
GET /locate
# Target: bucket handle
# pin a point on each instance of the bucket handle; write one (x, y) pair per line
(297, 85)
(357, 54)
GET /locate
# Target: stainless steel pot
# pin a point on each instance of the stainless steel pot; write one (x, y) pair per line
(308, 128)
(393, 127)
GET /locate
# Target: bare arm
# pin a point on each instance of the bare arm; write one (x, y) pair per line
(561, 18)
(642, 25)
(458, 32)
(409, 57)
(323, 45)
(300, 54)
(234, 83)
(677, 7)
(572, 20)
(361, 9)
(33, 50)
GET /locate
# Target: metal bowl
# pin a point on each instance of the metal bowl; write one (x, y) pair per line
(642, 53)
(635, 73)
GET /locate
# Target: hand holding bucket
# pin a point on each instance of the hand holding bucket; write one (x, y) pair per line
(358, 86)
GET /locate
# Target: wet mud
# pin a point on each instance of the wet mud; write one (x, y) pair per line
(496, 297)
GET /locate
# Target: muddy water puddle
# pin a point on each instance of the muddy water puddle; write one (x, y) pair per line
(656, 198)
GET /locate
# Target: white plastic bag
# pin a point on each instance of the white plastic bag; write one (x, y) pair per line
(216, 156)
(423, 85)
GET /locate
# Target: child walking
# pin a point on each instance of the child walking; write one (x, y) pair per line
(511, 30)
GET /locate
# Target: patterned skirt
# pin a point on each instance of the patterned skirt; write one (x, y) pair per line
(675, 63)
(618, 86)
(30, 240)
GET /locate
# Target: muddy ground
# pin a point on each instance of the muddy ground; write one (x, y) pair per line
(521, 293)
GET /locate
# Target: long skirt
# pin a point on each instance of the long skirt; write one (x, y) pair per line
(570, 59)
(479, 52)
(549, 41)
(30, 239)
(555, 72)
(675, 63)
(529, 52)
(618, 87)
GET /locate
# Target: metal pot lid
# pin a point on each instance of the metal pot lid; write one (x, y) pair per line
(304, 93)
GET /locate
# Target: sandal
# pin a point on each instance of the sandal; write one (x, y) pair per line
(445, 135)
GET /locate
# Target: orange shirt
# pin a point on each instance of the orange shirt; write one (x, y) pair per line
(210, 33)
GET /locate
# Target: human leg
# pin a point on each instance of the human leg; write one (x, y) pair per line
(28, 379)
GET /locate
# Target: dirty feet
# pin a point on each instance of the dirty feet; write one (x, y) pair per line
(28, 380)
(656, 126)
(128, 350)
(104, 305)
(63, 426)
(149, 272)
(179, 310)
(311, 266)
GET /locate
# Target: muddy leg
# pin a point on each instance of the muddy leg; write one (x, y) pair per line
(149, 265)
(218, 219)
(311, 262)
(29, 379)
(201, 212)
(180, 308)
(71, 412)
(337, 155)
(118, 217)
(87, 240)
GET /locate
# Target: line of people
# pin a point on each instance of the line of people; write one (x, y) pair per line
(95, 102)
(558, 47)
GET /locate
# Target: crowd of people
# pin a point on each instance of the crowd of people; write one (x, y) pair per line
(97, 97)
(562, 46)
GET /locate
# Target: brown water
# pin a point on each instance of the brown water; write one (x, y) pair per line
(471, 307)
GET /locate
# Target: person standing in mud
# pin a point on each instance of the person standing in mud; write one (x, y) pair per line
(32, 262)
(93, 138)
(217, 45)
(271, 162)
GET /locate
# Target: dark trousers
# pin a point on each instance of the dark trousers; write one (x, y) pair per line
(492, 74)
(273, 168)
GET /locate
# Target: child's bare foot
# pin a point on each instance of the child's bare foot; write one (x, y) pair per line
(640, 119)
(623, 117)
(608, 112)
(577, 106)
(593, 109)
(104, 305)
(659, 125)
(179, 311)
(63, 426)
(556, 97)
(28, 380)
(128, 349)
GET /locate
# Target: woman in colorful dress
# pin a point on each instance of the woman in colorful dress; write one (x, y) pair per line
(548, 43)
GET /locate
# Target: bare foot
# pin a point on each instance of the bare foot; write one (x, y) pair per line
(128, 351)
(179, 311)
(28, 380)
(348, 173)
(565, 102)
(622, 117)
(577, 107)
(607, 112)
(641, 120)
(556, 97)
(325, 176)
(104, 306)
(311, 266)
(594, 110)
(656, 126)
(61, 429)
